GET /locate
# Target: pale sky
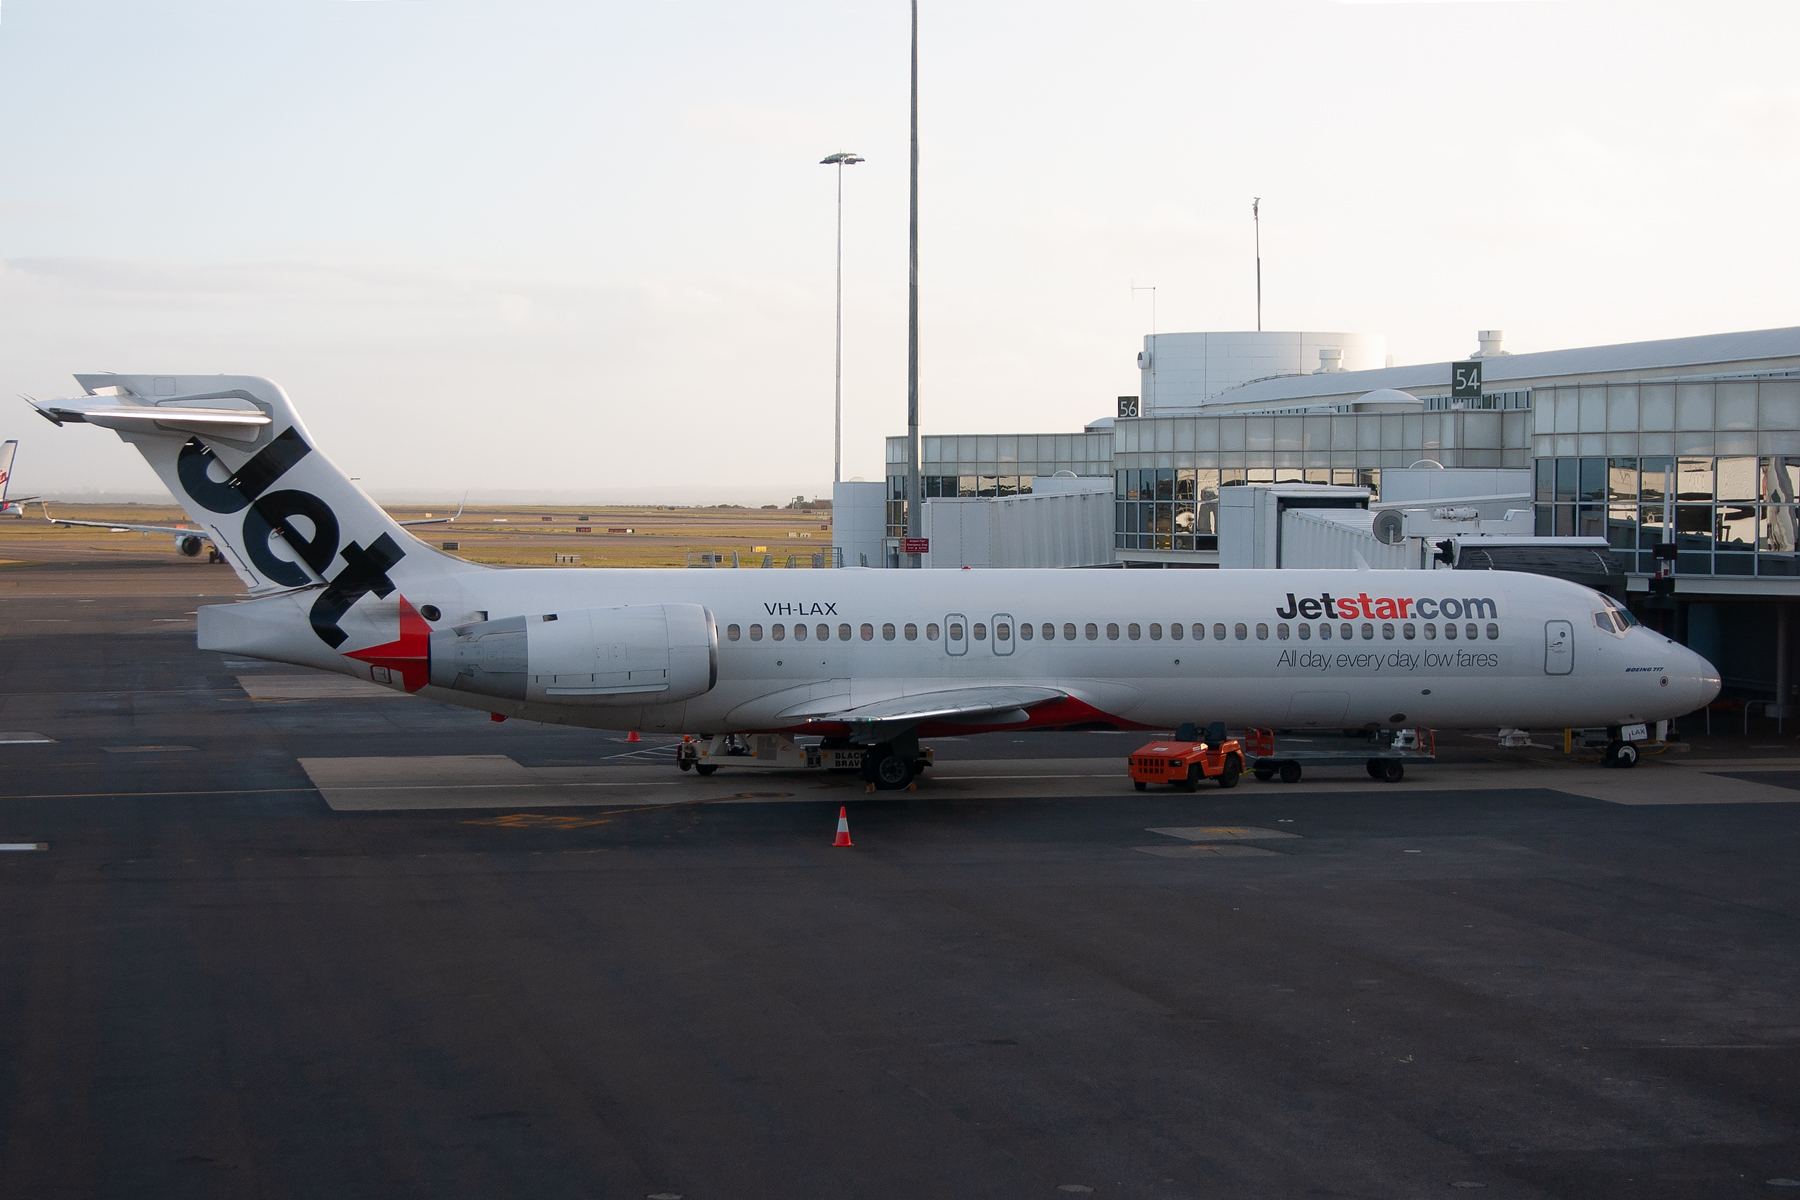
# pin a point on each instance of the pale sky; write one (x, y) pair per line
(588, 246)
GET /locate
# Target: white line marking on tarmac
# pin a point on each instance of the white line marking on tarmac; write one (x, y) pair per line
(24, 845)
(24, 739)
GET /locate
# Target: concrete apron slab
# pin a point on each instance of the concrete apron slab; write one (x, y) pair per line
(496, 781)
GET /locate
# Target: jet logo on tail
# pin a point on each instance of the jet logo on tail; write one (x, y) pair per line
(271, 514)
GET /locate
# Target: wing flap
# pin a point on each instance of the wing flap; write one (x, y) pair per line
(958, 705)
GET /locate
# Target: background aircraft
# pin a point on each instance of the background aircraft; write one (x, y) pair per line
(190, 540)
(9, 452)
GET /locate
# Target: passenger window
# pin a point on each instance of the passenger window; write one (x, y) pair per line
(843, 633)
(1430, 632)
(1199, 632)
(1493, 632)
(1134, 632)
(1450, 631)
(980, 632)
(756, 633)
(1175, 631)
(931, 631)
(1049, 631)
(1281, 631)
(867, 631)
(1241, 632)
(1092, 631)
(1112, 632)
(1025, 630)
(778, 632)
(1155, 632)
(956, 631)
(1002, 632)
(1069, 632)
(1407, 631)
(1306, 633)
(733, 632)
(799, 633)
(1470, 632)
(1348, 631)
(1324, 631)
(912, 632)
(887, 633)
(1218, 633)
(1262, 633)
(824, 633)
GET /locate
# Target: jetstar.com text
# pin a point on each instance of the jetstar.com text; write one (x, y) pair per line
(1385, 608)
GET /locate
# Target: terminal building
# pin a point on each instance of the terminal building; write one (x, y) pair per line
(1692, 442)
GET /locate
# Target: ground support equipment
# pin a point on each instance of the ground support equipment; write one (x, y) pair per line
(780, 752)
(1384, 752)
(1185, 764)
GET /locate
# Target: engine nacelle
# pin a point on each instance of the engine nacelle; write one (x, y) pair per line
(189, 544)
(634, 654)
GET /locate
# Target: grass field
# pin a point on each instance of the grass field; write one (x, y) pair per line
(515, 536)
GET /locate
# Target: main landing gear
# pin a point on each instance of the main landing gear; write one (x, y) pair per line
(889, 768)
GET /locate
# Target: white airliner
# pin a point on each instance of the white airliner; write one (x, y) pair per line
(877, 657)
(8, 452)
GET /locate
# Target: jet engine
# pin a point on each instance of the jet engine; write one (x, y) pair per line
(189, 544)
(634, 654)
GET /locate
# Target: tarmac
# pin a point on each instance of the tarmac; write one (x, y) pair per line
(272, 933)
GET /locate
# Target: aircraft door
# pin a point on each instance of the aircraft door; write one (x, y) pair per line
(1003, 633)
(1559, 647)
(956, 634)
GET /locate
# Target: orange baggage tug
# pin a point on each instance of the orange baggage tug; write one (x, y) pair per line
(1185, 760)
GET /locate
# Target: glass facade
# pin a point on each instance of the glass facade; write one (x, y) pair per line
(1710, 464)
(990, 465)
(1727, 515)
(1177, 508)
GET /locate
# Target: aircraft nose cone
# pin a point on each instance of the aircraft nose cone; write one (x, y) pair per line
(1702, 680)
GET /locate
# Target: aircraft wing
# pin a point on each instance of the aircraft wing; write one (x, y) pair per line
(117, 527)
(999, 705)
(439, 520)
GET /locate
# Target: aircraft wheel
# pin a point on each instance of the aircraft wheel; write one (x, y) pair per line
(1139, 784)
(705, 768)
(1228, 778)
(889, 772)
(1264, 774)
(1390, 771)
(1290, 772)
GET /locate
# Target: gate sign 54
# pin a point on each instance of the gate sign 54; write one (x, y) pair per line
(1465, 380)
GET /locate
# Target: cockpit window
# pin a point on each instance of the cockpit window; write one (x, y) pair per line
(1611, 621)
(1620, 610)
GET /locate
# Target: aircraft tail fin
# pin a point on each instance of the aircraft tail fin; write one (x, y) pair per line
(232, 449)
(8, 452)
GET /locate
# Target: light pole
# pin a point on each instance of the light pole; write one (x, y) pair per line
(914, 509)
(840, 160)
(1256, 219)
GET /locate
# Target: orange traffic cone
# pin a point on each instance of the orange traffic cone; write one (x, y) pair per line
(633, 737)
(843, 837)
